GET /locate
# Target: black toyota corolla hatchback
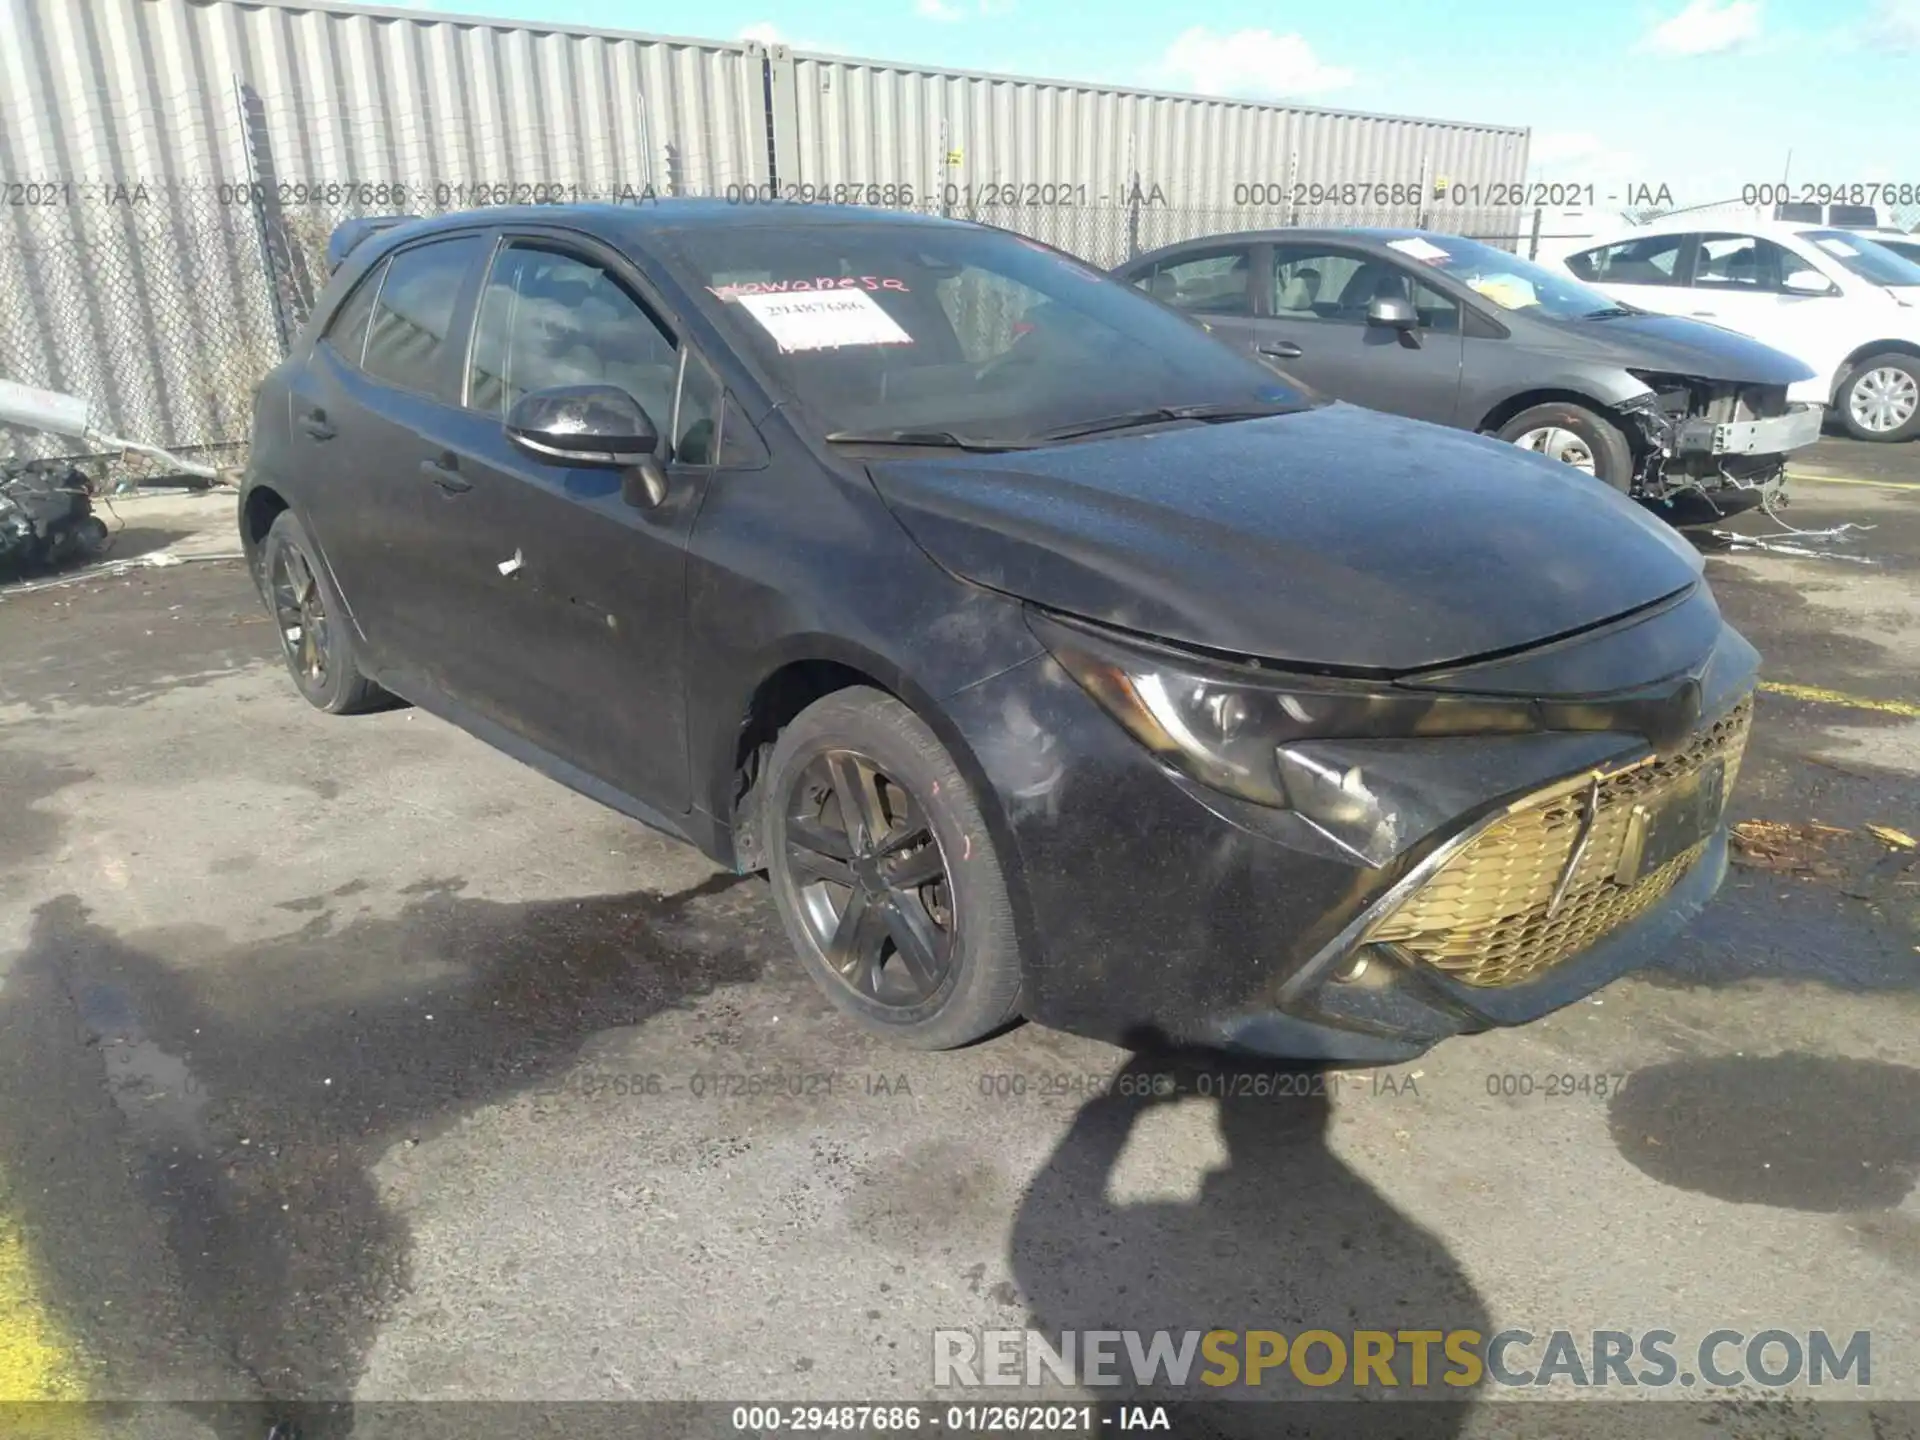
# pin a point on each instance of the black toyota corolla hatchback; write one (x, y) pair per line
(1051, 657)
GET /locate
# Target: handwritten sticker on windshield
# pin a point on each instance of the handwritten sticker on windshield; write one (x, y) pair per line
(822, 282)
(824, 322)
(1509, 292)
(1419, 249)
(1836, 247)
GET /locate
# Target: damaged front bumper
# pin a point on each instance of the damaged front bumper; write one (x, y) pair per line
(1775, 436)
(1720, 446)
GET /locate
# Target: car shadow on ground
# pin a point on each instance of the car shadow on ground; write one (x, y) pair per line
(189, 1126)
(1285, 1236)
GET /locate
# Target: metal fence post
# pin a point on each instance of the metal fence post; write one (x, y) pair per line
(1533, 244)
(289, 293)
(1133, 217)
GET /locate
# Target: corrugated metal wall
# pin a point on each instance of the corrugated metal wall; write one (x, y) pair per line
(957, 136)
(151, 278)
(153, 299)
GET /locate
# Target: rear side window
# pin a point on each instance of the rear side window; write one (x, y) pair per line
(1217, 283)
(1743, 262)
(1648, 260)
(347, 331)
(413, 314)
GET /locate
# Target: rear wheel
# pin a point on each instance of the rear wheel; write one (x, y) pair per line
(1576, 436)
(1880, 398)
(312, 623)
(885, 876)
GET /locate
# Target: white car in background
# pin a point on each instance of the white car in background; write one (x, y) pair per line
(1846, 305)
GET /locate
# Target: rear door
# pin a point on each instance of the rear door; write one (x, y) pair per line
(1648, 271)
(579, 593)
(1218, 285)
(385, 367)
(1317, 329)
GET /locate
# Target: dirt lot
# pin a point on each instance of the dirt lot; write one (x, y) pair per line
(348, 1057)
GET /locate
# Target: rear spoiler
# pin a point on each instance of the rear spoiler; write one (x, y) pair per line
(347, 237)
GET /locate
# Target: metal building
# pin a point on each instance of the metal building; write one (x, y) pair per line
(172, 167)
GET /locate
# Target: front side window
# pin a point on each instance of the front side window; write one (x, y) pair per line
(1317, 284)
(412, 319)
(548, 317)
(1217, 283)
(1647, 260)
(890, 326)
(1743, 263)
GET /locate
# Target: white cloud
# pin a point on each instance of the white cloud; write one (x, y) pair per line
(1895, 25)
(1248, 64)
(948, 11)
(1706, 27)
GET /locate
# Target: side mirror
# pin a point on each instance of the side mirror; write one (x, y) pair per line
(592, 425)
(1807, 282)
(1393, 313)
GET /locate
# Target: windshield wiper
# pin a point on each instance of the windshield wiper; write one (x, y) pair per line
(1224, 410)
(1610, 312)
(938, 439)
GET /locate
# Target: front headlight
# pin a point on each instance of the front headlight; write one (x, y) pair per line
(1272, 737)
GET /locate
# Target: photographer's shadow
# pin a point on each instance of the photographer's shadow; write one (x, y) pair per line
(1284, 1237)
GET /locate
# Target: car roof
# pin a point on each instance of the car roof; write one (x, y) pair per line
(1371, 237)
(633, 222)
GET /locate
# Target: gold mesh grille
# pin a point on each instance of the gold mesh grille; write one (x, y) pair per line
(1483, 916)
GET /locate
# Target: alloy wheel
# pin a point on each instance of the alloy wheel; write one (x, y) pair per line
(1883, 400)
(301, 614)
(869, 880)
(1560, 444)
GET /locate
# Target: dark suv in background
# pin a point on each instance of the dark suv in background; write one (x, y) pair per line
(1051, 657)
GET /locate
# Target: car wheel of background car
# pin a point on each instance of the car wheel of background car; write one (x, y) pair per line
(312, 624)
(1576, 436)
(885, 875)
(1881, 398)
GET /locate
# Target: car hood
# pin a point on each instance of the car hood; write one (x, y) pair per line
(1676, 345)
(1333, 538)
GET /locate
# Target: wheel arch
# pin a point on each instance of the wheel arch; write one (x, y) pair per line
(1860, 353)
(792, 677)
(1513, 405)
(259, 508)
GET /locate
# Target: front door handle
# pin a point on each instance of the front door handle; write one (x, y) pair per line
(1702, 314)
(1280, 350)
(314, 423)
(444, 474)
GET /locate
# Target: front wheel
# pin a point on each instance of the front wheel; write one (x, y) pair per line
(1880, 398)
(885, 876)
(1576, 436)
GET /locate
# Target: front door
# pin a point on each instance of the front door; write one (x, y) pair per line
(1318, 323)
(577, 591)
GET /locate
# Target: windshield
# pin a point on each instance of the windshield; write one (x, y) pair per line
(1870, 261)
(1506, 279)
(974, 333)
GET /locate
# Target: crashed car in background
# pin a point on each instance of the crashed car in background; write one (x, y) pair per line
(1688, 418)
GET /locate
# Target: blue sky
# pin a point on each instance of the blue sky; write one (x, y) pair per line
(1702, 95)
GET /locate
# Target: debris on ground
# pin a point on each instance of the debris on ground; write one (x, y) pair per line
(1793, 848)
(1897, 838)
(46, 518)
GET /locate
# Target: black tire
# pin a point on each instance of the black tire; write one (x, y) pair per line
(312, 624)
(1891, 377)
(966, 983)
(1604, 441)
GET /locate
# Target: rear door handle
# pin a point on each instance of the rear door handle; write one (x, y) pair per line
(1280, 350)
(314, 423)
(446, 476)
